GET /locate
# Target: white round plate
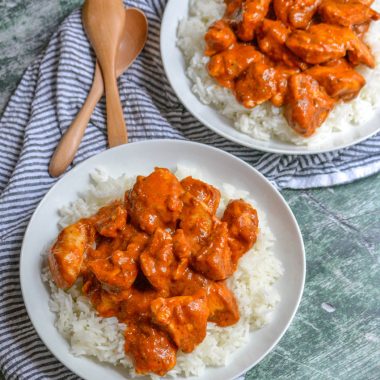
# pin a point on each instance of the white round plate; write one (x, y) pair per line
(141, 158)
(175, 68)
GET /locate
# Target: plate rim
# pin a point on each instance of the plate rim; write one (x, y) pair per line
(78, 167)
(255, 144)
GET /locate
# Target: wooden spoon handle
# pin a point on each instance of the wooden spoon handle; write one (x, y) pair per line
(117, 132)
(70, 141)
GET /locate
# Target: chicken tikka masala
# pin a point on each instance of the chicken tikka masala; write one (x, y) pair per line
(159, 261)
(300, 54)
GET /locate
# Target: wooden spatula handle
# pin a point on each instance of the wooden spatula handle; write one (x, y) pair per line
(117, 132)
(70, 141)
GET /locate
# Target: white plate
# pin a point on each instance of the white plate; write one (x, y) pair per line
(175, 68)
(141, 158)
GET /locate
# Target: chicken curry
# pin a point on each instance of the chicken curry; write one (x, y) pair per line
(300, 54)
(159, 261)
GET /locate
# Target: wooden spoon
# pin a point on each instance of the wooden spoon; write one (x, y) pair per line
(104, 21)
(133, 40)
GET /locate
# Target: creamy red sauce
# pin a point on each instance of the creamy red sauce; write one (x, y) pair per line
(158, 261)
(300, 54)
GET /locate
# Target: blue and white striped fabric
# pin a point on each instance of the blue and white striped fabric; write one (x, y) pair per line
(49, 96)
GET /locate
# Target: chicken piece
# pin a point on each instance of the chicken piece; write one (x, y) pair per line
(155, 201)
(249, 18)
(115, 273)
(202, 191)
(184, 318)
(196, 221)
(339, 79)
(94, 254)
(67, 254)
(283, 73)
(106, 303)
(359, 52)
(137, 305)
(219, 37)
(222, 305)
(189, 283)
(182, 251)
(214, 259)
(233, 9)
(181, 246)
(324, 42)
(228, 65)
(128, 239)
(308, 104)
(321, 43)
(271, 37)
(136, 245)
(243, 223)
(257, 85)
(296, 13)
(361, 29)
(220, 300)
(150, 348)
(111, 219)
(106, 246)
(158, 259)
(346, 12)
(181, 268)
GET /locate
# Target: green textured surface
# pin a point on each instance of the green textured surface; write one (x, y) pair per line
(341, 229)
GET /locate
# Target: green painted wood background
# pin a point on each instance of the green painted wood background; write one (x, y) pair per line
(340, 225)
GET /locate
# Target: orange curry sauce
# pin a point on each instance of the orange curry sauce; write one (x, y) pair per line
(300, 54)
(158, 262)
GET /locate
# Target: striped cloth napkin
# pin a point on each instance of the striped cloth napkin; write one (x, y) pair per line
(46, 101)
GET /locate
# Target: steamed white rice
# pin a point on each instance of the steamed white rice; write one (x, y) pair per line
(267, 121)
(102, 338)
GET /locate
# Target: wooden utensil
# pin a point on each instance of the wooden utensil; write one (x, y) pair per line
(132, 42)
(103, 21)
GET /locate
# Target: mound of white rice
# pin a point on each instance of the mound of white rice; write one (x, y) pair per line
(252, 284)
(267, 121)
